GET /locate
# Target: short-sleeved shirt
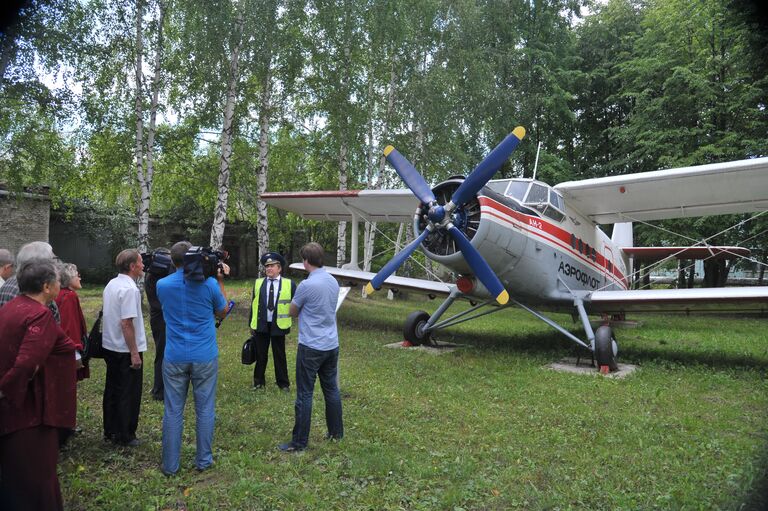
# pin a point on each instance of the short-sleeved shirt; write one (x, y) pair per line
(122, 300)
(316, 298)
(188, 309)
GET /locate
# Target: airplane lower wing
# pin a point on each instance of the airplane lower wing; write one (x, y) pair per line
(393, 282)
(652, 254)
(716, 299)
(721, 299)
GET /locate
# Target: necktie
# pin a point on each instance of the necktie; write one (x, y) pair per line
(271, 297)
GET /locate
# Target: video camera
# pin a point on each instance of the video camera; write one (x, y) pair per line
(203, 262)
(158, 262)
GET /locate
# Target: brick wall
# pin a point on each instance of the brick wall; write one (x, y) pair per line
(23, 219)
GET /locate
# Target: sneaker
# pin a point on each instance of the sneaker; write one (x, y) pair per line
(290, 447)
(259, 386)
(328, 436)
(134, 442)
(285, 389)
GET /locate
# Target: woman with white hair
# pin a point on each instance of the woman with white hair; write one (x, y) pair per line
(71, 313)
(35, 250)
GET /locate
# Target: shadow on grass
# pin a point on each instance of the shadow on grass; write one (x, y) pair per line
(670, 357)
(757, 500)
(549, 341)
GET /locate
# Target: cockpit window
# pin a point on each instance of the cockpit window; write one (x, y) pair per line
(537, 194)
(556, 200)
(517, 189)
(545, 200)
(498, 186)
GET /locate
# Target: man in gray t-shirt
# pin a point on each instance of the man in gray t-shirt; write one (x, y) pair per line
(318, 354)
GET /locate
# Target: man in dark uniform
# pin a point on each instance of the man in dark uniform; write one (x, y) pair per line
(160, 267)
(270, 320)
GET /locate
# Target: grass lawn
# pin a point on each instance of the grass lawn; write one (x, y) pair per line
(485, 427)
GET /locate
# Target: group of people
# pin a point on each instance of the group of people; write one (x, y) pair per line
(42, 336)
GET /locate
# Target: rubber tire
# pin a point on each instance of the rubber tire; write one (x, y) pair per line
(604, 348)
(412, 322)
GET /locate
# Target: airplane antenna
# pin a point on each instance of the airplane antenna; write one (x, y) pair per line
(536, 164)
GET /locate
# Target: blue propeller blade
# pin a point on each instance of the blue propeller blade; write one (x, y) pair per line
(409, 175)
(488, 167)
(479, 266)
(395, 263)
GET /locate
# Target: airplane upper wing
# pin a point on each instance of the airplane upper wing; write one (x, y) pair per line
(372, 205)
(715, 299)
(714, 189)
(393, 282)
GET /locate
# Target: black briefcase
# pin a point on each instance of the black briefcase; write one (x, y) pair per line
(248, 356)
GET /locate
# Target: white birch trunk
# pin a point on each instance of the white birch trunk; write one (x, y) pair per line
(341, 245)
(150, 149)
(262, 231)
(398, 244)
(370, 228)
(220, 211)
(144, 193)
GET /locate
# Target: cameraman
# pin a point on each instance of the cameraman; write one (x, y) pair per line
(191, 355)
(158, 265)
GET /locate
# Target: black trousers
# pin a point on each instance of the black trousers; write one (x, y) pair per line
(157, 324)
(122, 397)
(263, 340)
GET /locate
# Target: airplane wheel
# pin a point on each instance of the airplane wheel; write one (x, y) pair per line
(414, 324)
(606, 348)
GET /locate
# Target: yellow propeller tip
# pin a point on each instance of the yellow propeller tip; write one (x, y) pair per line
(388, 150)
(369, 287)
(519, 132)
(503, 297)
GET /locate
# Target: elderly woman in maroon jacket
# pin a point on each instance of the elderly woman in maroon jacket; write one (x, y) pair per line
(37, 391)
(72, 319)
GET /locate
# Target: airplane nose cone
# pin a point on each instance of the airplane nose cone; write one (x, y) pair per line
(436, 214)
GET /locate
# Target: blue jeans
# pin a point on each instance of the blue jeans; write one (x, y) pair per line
(176, 378)
(310, 364)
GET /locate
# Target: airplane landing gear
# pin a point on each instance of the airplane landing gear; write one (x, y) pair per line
(606, 348)
(414, 328)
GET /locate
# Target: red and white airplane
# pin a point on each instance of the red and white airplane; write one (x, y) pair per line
(523, 242)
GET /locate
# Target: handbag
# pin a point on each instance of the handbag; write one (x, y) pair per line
(248, 355)
(92, 346)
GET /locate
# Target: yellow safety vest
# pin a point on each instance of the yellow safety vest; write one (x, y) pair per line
(283, 304)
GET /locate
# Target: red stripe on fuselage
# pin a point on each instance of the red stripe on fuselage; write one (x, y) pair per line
(562, 238)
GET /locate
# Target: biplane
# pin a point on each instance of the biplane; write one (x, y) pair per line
(521, 242)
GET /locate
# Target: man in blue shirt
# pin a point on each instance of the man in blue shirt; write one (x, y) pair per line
(191, 355)
(318, 354)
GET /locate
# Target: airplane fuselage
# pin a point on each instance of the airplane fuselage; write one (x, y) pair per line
(540, 251)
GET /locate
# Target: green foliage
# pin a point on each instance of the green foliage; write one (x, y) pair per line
(634, 86)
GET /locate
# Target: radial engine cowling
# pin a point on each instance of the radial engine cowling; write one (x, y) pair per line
(439, 244)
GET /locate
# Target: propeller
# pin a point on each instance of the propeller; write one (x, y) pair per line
(409, 175)
(440, 215)
(487, 168)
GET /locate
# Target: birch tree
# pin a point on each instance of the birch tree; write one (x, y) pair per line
(220, 211)
(144, 155)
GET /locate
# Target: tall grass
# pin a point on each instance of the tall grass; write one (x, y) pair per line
(485, 427)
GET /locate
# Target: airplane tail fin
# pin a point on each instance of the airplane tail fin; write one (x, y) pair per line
(622, 235)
